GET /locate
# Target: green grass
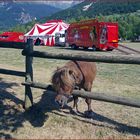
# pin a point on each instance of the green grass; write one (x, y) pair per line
(120, 74)
(11, 57)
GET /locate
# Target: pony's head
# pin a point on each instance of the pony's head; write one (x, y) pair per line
(63, 81)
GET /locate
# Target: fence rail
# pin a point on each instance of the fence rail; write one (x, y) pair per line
(121, 59)
(12, 72)
(92, 95)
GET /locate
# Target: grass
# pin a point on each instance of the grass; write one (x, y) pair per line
(109, 121)
(120, 78)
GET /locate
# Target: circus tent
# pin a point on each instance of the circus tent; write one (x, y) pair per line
(46, 32)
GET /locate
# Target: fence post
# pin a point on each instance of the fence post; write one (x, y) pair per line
(29, 75)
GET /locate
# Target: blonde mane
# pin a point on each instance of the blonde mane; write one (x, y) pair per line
(61, 78)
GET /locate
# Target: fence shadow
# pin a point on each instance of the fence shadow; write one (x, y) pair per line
(12, 114)
(120, 127)
(47, 104)
(102, 121)
(10, 110)
(36, 115)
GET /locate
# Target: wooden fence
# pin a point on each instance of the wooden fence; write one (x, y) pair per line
(29, 53)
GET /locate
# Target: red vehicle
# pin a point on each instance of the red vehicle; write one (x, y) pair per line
(12, 37)
(93, 34)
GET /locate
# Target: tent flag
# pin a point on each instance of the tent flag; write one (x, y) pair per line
(46, 31)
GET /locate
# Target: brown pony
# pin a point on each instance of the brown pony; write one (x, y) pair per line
(75, 74)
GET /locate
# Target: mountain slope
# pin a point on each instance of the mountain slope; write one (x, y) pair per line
(63, 4)
(125, 12)
(20, 13)
(94, 8)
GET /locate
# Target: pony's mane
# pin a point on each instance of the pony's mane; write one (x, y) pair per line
(61, 78)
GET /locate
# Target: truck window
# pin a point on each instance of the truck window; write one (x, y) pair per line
(62, 35)
(57, 35)
(103, 37)
(93, 33)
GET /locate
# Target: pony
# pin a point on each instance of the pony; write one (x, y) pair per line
(73, 75)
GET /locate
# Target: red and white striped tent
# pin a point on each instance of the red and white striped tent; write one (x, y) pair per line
(46, 32)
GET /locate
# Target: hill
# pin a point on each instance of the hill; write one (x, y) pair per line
(93, 8)
(125, 12)
(12, 13)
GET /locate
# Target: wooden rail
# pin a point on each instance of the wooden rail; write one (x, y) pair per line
(12, 72)
(92, 95)
(121, 59)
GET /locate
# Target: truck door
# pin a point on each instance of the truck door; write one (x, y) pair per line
(112, 34)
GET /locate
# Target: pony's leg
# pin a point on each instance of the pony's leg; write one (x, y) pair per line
(89, 112)
(75, 104)
(88, 101)
(75, 110)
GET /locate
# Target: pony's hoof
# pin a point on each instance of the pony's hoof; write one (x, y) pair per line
(89, 114)
(74, 112)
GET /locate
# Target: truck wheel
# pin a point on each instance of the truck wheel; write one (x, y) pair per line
(94, 48)
(85, 48)
(110, 49)
(74, 47)
(66, 45)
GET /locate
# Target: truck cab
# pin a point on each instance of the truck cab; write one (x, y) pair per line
(60, 38)
(12, 37)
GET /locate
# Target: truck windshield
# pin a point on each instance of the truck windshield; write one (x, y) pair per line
(62, 35)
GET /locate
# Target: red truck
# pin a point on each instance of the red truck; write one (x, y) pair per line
(12, 37)
(93, 34)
